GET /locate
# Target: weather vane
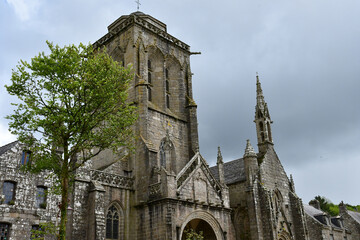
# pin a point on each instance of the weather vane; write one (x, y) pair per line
(138, 4)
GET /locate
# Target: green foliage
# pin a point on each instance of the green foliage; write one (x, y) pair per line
(72, 107)
(353, 208)
(332, 209)
(44, 229)
(191, 234)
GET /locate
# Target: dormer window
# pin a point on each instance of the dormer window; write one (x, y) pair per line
(25, 159)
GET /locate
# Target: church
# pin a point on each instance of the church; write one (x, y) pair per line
(166, 188)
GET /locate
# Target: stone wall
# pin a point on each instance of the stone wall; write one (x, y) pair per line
(24, 213)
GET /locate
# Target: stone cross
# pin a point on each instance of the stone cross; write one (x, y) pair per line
(138, 4)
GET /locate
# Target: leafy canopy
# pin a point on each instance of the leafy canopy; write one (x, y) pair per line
(73, 99)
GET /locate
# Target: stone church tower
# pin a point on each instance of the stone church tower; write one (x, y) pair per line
(173, 188)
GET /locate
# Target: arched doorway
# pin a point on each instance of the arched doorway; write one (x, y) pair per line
(199, 226)
(202, 221)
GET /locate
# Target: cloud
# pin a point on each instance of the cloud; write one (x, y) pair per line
(6, 136)
(25, 10)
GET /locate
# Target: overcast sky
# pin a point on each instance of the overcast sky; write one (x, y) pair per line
(307, 54)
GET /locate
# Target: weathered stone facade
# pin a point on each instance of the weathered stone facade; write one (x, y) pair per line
(165, 187)
(23, 213)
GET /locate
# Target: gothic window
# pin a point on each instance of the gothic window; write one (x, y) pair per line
(167, 101)
(167, 88)
(25, 159)
(261, 125)
(4, 231)
(149, 65)
(149, 77)
(149, 94)
(41, 197)
(262, 137)
(9, 192)
(112, 223)
(269, 131)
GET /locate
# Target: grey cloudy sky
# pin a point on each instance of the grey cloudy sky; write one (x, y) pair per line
(307, 54)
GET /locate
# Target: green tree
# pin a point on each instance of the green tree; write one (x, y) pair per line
(191, 234)
(72, 100)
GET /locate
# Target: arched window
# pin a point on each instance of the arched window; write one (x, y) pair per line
(261, 125)
(269, 131)
(112, 223)
(167, 88)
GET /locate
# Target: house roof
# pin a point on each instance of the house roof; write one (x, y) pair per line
(311, 211)
(354, 215)
(7, 147)
(234, 171)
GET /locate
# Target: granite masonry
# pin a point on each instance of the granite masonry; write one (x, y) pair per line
(165, 187)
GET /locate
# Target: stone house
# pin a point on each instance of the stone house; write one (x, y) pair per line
(165, 187)
(323, 226)
(351, 220)
(24, 199)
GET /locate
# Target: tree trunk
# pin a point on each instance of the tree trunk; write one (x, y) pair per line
(64, 201)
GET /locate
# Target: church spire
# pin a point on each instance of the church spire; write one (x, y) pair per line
(262, 119)
(260, 101)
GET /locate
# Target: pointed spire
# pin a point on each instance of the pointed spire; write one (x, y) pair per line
(260, 101)
(220, 165)
(262, 119)
(219, 156)
(249, 150)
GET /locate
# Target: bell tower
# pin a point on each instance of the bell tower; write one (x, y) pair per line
(262, 119)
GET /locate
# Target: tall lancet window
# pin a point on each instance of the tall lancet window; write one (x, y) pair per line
(112, 223)
(167, 88)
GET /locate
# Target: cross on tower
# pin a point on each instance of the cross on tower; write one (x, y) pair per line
(138, 4)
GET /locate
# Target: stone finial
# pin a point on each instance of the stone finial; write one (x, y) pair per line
(342, 208)
(249, 150)
(220, 165)
(292, 184)
(219, 156)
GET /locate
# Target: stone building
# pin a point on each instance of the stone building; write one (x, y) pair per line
(351, 220)
(165, 187)
(24, 202)
(323, 226)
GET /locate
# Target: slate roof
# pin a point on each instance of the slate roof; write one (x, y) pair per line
(7, 147)
(234, 171)
(354, 215)
(311, 211)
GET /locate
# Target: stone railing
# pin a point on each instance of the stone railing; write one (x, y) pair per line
(112, 179)
(143, 23)
(187, 170)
